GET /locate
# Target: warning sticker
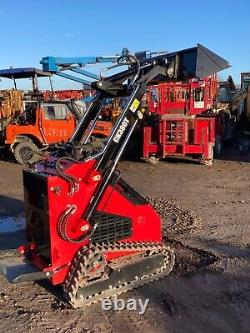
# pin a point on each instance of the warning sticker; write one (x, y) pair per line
(134, 105)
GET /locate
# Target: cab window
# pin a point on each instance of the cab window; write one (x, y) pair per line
(198, 94)
(154, 95)
(55, 111)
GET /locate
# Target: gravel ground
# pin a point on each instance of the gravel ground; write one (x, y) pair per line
(205, 213)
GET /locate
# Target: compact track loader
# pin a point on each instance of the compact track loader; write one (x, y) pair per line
(87, 229)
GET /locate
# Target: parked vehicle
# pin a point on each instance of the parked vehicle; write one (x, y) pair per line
(183, 120)
(36, 120)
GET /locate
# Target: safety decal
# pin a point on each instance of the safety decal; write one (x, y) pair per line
(134, 105)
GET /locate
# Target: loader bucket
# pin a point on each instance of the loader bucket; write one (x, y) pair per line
(208, 62)
(196, 62)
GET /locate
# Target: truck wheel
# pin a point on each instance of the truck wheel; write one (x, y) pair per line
(152, 160)
(218, 146)
(209, 161)
(25, 153)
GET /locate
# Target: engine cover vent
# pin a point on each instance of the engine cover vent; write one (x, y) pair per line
(110, 228)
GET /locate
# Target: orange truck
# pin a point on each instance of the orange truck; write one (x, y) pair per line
(42, 124)
(39, 120)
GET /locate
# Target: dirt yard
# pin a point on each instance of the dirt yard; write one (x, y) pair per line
(206, 214)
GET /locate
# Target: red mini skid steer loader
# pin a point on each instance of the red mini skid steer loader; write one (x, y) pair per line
(87, 229)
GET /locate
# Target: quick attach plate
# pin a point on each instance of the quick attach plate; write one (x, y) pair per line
(16, 269)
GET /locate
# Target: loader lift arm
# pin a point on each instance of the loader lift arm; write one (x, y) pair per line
(58, 66)
(132, 82)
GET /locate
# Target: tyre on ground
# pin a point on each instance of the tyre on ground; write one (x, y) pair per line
(27, 152)
(152, 160)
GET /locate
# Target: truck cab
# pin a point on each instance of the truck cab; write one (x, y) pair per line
(38, 126)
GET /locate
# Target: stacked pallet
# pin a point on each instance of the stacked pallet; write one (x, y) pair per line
(10, 106)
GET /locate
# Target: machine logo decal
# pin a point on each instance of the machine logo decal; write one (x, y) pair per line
(134, 105)
(121, 130)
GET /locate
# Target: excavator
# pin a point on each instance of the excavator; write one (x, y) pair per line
(87, 229)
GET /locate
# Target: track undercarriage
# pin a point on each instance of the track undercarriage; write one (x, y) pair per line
(92, 277)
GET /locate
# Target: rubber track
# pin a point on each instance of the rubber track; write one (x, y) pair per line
(86, 255)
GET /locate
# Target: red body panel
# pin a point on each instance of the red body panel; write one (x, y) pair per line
(146, 224)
